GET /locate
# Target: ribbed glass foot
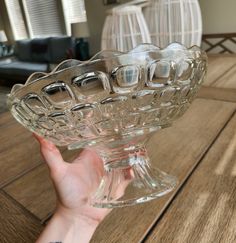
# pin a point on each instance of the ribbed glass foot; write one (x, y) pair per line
(131, 181)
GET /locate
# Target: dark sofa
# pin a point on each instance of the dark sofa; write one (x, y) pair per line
(36, 55)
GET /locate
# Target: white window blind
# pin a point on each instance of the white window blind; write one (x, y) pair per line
(16, 19)
(74, 12)
(43, 18)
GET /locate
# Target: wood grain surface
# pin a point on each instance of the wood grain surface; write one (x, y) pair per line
(18, 151)
(218, 66)
(6, 119)
(215, 93)
(16, 224)
(205, 209)
(228, 80)
(176, 150)
(36, 189)
(36, 192)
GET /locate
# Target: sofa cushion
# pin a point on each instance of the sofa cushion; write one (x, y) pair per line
(40, 50)
(22, 68)
(23, 50)
(60, 48)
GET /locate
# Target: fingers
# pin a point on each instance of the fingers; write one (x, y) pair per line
(50, 153)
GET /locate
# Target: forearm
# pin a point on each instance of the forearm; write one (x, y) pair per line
(66, 228)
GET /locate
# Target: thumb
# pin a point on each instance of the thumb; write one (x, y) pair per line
(50, 153)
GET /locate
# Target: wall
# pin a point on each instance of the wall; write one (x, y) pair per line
(1, 22)
(96, 14)
(218, 16)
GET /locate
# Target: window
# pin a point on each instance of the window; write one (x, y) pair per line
(30, 18)
(16, 19)
(74, 11)
(43, 18)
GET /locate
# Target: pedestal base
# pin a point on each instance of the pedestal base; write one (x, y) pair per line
(137, 182)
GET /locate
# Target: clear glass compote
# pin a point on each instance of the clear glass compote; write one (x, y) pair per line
(114, 103)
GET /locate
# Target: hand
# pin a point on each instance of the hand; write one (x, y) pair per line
(74, 183)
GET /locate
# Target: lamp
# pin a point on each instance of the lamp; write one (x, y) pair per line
(174, 21)
(81, 31)
(3, 38)
(124, 28)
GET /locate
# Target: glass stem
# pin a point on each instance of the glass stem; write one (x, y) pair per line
(129, 177)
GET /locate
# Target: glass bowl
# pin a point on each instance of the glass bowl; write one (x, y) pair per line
(114, 103)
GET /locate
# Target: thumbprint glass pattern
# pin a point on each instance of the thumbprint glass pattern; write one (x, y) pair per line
(114, 103)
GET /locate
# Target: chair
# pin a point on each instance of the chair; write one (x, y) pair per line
(219, 43)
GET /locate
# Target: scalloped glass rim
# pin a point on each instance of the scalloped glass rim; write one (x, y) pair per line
(104, 55)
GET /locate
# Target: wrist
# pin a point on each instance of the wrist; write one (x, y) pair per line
(74, 218)
(67, 227)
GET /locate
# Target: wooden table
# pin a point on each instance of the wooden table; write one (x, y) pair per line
(200, 149)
